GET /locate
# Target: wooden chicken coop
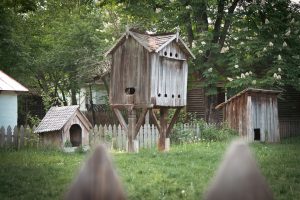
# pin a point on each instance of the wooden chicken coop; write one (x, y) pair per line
(254, 114)
(148, 71)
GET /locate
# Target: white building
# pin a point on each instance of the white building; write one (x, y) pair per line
(9, 90)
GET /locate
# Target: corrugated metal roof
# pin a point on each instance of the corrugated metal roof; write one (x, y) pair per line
(9, 84)
(56, 118)
(152, 42)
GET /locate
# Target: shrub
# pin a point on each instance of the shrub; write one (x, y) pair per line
(68, 143)
(208, 132)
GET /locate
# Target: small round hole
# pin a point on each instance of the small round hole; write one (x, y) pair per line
(172, 95)
(158, 94)
(179, 96)
(166, 95)
(171, 54)
(165, 53)
(176, 55)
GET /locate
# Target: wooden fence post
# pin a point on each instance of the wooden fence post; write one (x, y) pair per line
(16, 137)
(22, 135)
(2, 136)
(9, 137)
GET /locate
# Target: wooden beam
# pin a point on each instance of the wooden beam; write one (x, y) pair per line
(140, 121)
(121, 119)
(163, 130)
(154, 118)
(173, 121)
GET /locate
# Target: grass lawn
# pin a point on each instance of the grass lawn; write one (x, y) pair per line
(183, 173)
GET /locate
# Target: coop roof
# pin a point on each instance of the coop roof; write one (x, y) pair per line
(152, 42)
(248, 90)
(9, 84)
(56, 118)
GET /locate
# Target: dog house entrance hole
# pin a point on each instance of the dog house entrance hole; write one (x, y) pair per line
(75, 135)
(257, 134)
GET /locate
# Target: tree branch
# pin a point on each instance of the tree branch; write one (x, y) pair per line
(217, 26)
(227, 22)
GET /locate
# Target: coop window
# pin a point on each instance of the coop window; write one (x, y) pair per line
(165, 53)
(166, 95)
(130, 90)
(171, 54)
(159, 95)
(179, 96)
(257, 134)
(176, 55)
(172, 95)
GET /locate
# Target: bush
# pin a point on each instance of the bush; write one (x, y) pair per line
(208, 132)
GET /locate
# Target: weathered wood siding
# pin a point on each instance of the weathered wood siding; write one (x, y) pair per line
(196, 102)
(169, 77)
(130, 69)
(79, 119)
(265, 117)
(251, 111)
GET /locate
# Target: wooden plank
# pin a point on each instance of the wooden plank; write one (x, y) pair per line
(155, 120)
(2, 136)
(131, 130)
(163, 128)
(9, 136)
(121, 119)
(250, 132)
(140, 121)
(173, 121)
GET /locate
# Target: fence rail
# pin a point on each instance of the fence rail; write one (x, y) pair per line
(114, 135)
(18, 137)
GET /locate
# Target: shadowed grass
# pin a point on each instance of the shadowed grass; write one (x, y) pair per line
(183, 173)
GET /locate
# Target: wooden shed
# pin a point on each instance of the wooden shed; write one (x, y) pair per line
(254, 114)
(62, 124)
(9, 91)
(148, 71)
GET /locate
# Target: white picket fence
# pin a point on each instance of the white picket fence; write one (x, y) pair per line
(147, 138)
(112, 135)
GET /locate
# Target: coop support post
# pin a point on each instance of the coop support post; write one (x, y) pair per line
(173, 121)
(131, 131)
(163, 129)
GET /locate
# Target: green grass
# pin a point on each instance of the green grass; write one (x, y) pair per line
(183, 173)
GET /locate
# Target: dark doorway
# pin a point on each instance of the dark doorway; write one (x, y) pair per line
(75, 135)
(257, 134)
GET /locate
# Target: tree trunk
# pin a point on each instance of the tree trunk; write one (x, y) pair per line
(73, 96)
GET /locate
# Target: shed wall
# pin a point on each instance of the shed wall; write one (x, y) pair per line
(169, 77)
(254, 111)
(8, 109)
(265, 117)
(130, 69)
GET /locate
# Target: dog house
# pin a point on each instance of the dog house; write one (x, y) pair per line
(254, 114)
(63, 125)
(148, 71)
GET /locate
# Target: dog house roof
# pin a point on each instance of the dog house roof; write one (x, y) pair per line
(56, 118)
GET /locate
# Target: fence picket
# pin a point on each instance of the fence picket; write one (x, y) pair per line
(9, 137)
(147, 137)
(21, 143)
(15, 137)
(2, 136)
